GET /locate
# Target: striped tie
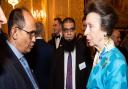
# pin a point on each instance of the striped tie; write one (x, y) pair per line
(28, 70)
(69, 72)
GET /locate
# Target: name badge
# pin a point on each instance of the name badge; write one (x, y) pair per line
(82, 65)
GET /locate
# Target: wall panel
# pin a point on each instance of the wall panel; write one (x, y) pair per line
(53, 8)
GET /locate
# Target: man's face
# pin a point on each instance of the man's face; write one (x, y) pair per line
(116, 37)
(57, 27)
(69, 31)
(25, 38)
(84, 25)
(3, 19)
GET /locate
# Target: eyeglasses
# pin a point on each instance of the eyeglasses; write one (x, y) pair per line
(31, 34)
(69, 29)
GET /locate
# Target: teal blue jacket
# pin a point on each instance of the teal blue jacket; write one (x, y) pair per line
(111, 72)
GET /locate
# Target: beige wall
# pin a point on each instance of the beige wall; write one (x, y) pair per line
(53, 8)
(65, 8)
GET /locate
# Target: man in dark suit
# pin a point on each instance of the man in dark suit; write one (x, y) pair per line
(15, 72)
(119, 43)
(57, 34)
(3, 20)
(41, 56)
(71, 64)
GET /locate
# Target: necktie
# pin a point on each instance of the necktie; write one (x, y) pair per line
(57, 41)
(28, 70)
(69, 72)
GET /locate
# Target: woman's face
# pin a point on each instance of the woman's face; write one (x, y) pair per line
(93, 31)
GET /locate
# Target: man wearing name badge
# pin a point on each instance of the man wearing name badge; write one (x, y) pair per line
(15, 72)
(71, 64)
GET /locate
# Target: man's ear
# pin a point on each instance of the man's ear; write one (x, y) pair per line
(14, 33)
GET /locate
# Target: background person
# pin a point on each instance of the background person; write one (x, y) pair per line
(57, 34)
(116, 37)
(71, 59)
(40, 58)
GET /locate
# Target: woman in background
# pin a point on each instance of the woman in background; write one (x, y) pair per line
(109, 67)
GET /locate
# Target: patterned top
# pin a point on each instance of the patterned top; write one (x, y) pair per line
(109, 70)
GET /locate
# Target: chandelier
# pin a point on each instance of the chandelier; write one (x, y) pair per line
(39, 15)
(13, 2)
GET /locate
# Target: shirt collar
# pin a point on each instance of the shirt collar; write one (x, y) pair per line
(109, 45)
(15, 50)
(39, 38)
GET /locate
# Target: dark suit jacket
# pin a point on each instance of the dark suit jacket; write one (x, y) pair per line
(52, 42)
(57, 73)
(3, 36)
(12, 74)
(124, 50)
(40, 56)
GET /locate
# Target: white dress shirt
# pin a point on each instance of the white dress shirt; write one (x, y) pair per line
(24, 63)
(73, 68)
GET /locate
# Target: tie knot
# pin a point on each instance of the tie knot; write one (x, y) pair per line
(69, 53)
(23, 60)
(69, 57)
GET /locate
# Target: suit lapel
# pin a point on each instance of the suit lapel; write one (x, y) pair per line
(17, 65)
(78, 61)
(61, 67)
(62, 64)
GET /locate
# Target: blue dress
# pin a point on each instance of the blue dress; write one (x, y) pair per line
(111, 71)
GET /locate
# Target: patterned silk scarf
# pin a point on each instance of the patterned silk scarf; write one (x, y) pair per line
(109, 44)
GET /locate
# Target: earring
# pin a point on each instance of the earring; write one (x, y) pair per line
(105, 35)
